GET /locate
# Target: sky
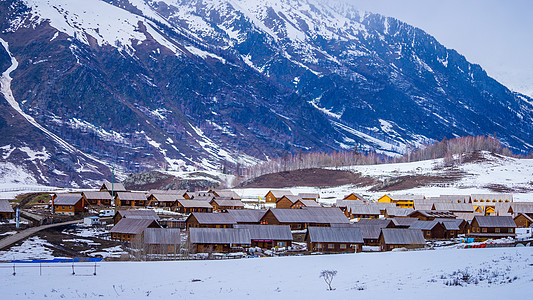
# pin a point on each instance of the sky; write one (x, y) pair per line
(496, 34)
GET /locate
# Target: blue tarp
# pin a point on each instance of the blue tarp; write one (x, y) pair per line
(60, 260)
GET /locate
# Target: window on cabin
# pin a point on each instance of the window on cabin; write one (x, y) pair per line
(428, 233)
(481, 200)
(497, 230)
(484, 229)
(475, 200)
(506, 200)
(63, 206)
(511, 230)
(331, 246)
(319, 245)
(281, 244)
(343, 246)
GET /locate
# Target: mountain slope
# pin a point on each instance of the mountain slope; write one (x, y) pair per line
(183, 85)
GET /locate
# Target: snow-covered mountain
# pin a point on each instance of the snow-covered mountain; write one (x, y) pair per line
(181, 85)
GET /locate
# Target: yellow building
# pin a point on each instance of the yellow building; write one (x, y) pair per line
(405, 201)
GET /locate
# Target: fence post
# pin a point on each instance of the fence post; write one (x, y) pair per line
(94, 269)
(14, 269)
(73, 273)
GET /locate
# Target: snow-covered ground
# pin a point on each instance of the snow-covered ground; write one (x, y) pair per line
(498, 273)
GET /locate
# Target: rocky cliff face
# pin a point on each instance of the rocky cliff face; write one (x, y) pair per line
(183, 85)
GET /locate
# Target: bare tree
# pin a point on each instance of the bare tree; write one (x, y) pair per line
(328, 275)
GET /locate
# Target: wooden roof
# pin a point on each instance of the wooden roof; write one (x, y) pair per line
(335, 235)
(131, 196)
(291, 198)
(398, 211)
(406, 197)
(5, 207)
(318, 215)
(226, 194)
(382, 223)
(399, 236)
(309, 203)
(147, 214)
(424, 225)
(522, 207)
(219, 236)
(497, 197)
(404, 221)
(97, 195)
(495, 221)
(212, 218)
(247, 215)
(279, 193)
(67, 199)
(364, 209)
(268, 232)
(228, 202)
(369, 231)
(460, 207)
(167, 197)
(133, 226)
(309, 196)
(194, 203)
(359, 196)
(115, 186)
(162, 236)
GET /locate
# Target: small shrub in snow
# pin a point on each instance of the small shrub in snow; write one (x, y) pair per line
(328, 275)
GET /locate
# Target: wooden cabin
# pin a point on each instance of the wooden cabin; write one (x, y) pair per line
(334, 239)
(454, 207)
(97, 198)
(127, 229)
(6, 210)
(112, 188)
(162, 241)
(68, 204)
(190, 206)
(405, 201)
(523, 221)
(269, 236)
(179, 193)
(517, 208)
(209, 220)
(168, 201)
(354, 196)
(286, 201)
(221, 240)
(131, 199)
(370, 233)
(391, 238)
(222, 205)
(146, 214)
(365, 211)
(430, 215)
(431, 229)
(305, 203)
(225, 194)
(274, 195)
(492, 227)
(300, 219)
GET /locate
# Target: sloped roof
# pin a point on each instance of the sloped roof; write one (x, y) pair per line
(162, 236)
(139, 214)
(97, 195)
(319, 215)
(365, 209)
(495, 221)
(423, 204)
(268, 232)
(279, 193)
(115, 186)
(460, 207)
(424, 225)
(247, 215)
(194, 203)
(309, 203)
(359, 196)
(525, 216)
(398, 211)
(5, 207)
(404, 221)
(167, 197)
(213, 218)
(399, 236)
(522, 207)
(67, 199)
(219, 236)
(203, 198)
(467, 216)
(450, 224)
(369, 231)
(335, 235)
(450, 198)
(435, 213)
(497, 197)
(291, 198)
(227, 194)
(131, 196)
(382, 223)
(202, 194)
(228, 202)
(132, 226)
(171, 192)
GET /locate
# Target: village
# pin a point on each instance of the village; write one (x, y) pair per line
(183, 224)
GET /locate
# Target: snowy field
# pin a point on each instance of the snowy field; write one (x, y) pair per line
(498, 273)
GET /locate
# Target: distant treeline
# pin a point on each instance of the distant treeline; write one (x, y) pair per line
(451, 150)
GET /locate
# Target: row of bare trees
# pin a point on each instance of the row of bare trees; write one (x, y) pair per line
(443, 149)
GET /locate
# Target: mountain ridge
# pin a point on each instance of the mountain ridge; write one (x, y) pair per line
(185, 85)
